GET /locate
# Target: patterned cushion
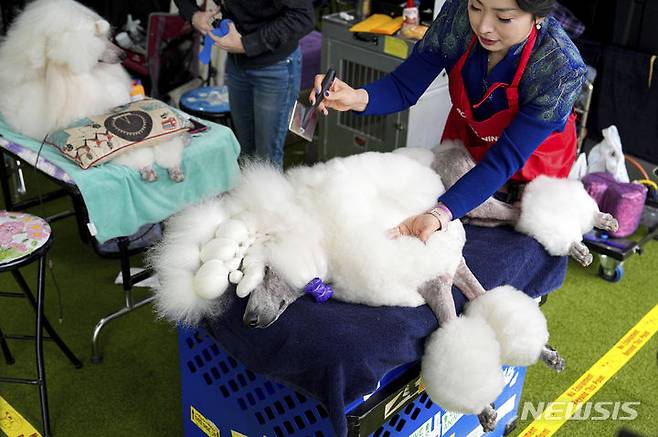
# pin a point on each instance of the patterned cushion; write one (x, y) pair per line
(20, 235)
(94, 140)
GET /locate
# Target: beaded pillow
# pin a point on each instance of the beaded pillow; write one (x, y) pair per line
(94, 140)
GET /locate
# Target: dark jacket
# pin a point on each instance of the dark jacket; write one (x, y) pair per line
(270, 30)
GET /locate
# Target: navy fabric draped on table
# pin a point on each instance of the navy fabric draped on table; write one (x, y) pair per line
(336, 352)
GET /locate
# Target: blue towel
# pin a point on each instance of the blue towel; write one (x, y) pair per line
(337, 352)
(119, 202)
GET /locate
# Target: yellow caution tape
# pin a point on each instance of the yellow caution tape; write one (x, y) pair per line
(567, 404)
(205, 425)
(13, 424)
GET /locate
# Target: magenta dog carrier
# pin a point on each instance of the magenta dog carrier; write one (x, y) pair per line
(625, 201)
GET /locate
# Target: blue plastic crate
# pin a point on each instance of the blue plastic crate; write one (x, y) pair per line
(222, 397)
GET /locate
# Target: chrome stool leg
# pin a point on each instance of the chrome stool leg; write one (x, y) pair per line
(41, 371)
(46, 324)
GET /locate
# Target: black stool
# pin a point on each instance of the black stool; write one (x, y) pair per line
(209, 103)
(25, 238)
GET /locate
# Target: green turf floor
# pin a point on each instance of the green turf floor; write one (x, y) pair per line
(586, 317)
(136, 390)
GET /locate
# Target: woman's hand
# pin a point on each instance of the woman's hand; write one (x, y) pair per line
(201, 20)
(340, 96)
(421, 226)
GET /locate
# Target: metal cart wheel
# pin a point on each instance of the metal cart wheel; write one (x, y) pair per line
(610, 269)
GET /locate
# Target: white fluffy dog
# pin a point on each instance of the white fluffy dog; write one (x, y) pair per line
(57, 65)
(274, 233)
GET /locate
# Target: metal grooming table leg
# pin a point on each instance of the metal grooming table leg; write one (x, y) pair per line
(130, 304)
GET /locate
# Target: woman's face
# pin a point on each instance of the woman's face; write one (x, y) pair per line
(499, 24)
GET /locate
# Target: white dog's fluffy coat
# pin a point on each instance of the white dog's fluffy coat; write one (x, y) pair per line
(330, 221)
(50, 74)
(57, 65)
(313, 223)
(391, 188)
(556, 212)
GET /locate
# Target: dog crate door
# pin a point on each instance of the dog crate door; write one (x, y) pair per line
(346, 133)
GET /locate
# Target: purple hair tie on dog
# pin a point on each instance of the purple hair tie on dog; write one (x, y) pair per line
(319, 290)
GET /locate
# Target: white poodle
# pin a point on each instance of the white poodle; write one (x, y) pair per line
(57, 65)
(275, 233)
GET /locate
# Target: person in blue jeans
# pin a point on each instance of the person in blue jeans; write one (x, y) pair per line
(263, 68)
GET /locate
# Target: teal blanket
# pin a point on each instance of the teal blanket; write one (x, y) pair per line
(119, 202)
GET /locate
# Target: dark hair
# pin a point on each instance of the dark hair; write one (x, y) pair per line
(538, 8)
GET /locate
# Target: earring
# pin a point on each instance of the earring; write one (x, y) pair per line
(538, 25)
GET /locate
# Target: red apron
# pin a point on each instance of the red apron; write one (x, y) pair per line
(553, 157)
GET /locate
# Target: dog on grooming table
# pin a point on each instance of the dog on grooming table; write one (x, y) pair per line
(275, 233)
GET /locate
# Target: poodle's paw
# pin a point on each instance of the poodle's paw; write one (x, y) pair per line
(176, 174)
(461, 367)
(580, 253)
(553, 359)
(518, 323)
(148, 174)
(606, 222)
(487, 418)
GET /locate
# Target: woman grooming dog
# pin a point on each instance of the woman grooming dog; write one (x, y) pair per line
(514, 76)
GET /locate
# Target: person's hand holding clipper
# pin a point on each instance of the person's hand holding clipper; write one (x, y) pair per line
(303, 120)
(320, 93)
(339, 96)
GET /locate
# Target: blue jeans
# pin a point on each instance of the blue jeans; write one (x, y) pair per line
(261, 100)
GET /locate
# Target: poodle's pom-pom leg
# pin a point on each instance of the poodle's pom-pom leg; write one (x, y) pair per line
(141, 159)
(169, 155)
(487, 418)
(606, 222)
(148, 174)
(519, 325)
(581, 253)
(553, 359)
(176, 174)
(461, 366)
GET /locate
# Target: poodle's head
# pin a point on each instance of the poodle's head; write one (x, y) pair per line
(269, 300)
(70, 35)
